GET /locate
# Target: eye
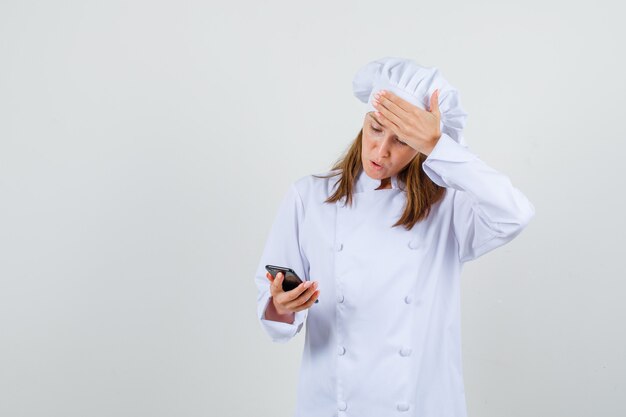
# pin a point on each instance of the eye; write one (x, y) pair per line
(375, 130)
(403, 143)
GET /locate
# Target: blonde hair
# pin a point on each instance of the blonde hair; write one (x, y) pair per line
(421, 191)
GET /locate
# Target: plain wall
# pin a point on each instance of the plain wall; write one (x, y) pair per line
(145, 146)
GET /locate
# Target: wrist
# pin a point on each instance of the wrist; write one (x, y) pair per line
(426, 150)
(274, 314)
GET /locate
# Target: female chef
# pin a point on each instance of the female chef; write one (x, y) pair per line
(380, 241)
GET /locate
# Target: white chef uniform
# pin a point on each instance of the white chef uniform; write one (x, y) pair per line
(385, 337)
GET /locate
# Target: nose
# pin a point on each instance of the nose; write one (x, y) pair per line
(383, 148)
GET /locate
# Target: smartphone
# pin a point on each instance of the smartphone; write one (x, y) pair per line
(290, 281)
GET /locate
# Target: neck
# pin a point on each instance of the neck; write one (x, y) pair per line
(385, 183)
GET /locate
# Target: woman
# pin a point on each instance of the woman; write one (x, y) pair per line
(384, 236)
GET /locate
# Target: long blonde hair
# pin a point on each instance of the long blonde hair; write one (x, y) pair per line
(421, 191)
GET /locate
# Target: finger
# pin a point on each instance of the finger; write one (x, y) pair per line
(313, 299)
(387, 123)
(269, 277)
(310, 302)
(277, 283)
(305, 296)
(293, 294)
(390, 101)
(388, 113)
(434, 103)
(398, 101)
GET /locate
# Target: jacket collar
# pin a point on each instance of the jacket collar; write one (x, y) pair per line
(365, 183)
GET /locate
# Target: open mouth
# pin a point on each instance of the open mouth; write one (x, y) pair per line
(375, 165)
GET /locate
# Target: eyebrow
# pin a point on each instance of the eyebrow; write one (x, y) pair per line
(372, 116)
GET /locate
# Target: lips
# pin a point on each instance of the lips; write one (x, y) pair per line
(375, 165)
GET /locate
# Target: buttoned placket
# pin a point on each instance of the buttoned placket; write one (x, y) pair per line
(341, 403)
(365, 183)
(411, 302)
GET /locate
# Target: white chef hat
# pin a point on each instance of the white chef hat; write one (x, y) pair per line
(415, 84)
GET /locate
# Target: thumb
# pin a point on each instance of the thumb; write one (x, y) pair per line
(434, 103)
(278, 282)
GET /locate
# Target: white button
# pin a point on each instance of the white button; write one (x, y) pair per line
(341, 350)
(408, 299)
(405, 351)
(342, 405)
(339, 246)
(403, 406)
(414, 243)
(340, 298)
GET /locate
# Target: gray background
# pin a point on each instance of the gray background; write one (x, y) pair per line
(144, 147)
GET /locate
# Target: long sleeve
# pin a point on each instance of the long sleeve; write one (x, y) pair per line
(488, 211)
(282, 248)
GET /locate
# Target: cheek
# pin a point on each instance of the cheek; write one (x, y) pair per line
(368, 143)
(401, 156)
(408, 156)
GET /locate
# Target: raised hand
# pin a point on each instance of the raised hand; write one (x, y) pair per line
(420, 129)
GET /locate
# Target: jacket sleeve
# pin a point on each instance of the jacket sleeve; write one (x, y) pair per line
(282, 248)
(488, 211)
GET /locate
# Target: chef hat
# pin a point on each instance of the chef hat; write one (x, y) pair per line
(415, 84)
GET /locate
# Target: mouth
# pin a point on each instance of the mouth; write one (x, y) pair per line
(375, 165)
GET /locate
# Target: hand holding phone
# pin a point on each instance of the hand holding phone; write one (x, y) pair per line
(290, 293)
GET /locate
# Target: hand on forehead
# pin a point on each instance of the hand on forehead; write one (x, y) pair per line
(417, 127)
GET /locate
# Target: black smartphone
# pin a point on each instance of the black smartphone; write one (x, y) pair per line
(290, 281)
